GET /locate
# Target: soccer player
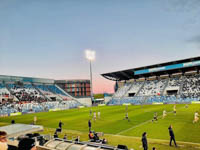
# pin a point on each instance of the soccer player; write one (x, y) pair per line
(164, 114)
(95, 116)
(172, 137)
(35, 120)
(196, 117)
(155, 117)
(126, 117)
(174, 109)
(99, 114)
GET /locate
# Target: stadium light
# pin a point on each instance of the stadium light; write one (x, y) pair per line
(90, 55)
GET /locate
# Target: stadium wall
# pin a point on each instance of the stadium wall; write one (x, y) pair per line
(85, 101)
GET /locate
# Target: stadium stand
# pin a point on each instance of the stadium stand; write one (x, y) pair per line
(171, 82)
(154, 87)
(191, 86)
(43, 89)
(123, 90)
(174, 82)
(25, 95)
(135, 88)
(3, 90)
(25, 92)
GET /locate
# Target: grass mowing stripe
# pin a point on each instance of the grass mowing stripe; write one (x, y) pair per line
(140, 124)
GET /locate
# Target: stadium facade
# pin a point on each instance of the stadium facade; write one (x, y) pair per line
(18, 87)
(170, 82)
(76, 88)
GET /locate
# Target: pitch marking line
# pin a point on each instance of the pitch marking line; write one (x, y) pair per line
(133, 127)
(139, 124)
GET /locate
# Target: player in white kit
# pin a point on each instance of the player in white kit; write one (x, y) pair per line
(196, 117)
(95, 116)
(99, 114)
(164, 114)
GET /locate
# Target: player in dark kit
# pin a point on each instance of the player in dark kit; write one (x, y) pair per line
(89, 125)
(144, 141)
(60, 125)
(126, 117)
(155, 117)
(172, 137)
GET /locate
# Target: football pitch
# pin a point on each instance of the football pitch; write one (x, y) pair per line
(119, 131)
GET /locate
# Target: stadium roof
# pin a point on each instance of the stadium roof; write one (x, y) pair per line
(7, 78)
(179, 66)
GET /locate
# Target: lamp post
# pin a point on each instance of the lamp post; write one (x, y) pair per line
(90, 56)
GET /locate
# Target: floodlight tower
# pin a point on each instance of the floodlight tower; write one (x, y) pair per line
(90, 56)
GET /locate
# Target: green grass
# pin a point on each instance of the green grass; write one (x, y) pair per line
(121, 131)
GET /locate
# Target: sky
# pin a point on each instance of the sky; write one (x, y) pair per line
(48, 38)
